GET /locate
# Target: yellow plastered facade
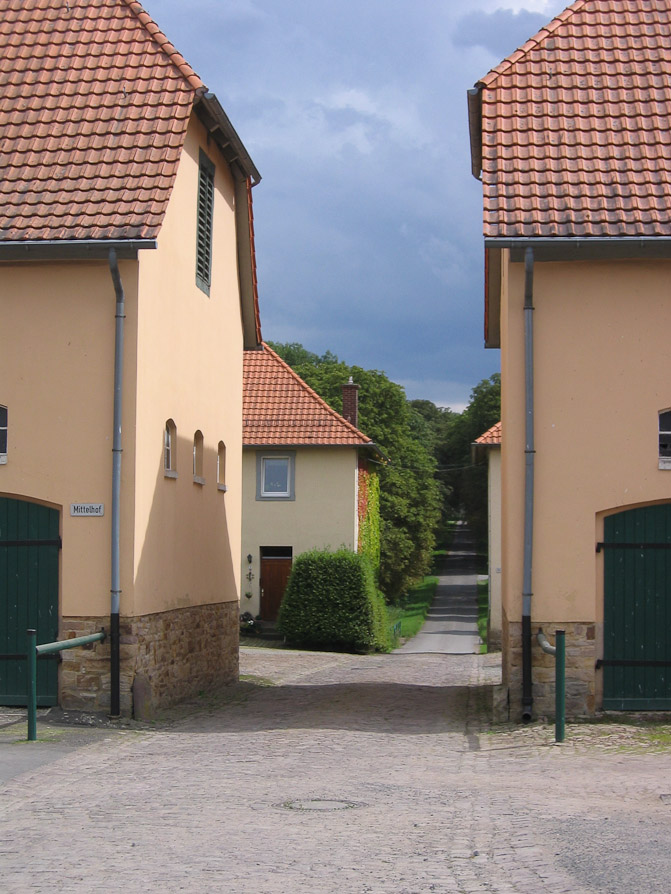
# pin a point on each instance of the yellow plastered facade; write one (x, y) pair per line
(601, 376)
(180, 540)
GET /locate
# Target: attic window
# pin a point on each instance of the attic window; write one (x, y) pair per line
(665, 439)
(204, 224)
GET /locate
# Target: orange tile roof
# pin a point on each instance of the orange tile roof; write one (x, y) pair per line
(280, 409)
(576, 126)
(492, 437)
(94, 106)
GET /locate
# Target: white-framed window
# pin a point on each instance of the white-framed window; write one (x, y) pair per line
(275, 475)
(665, 439)
(170, 449)
(198, 457)
(3, 435)
(221, 466)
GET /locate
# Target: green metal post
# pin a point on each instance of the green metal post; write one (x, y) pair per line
(560, 684)
(32, 684)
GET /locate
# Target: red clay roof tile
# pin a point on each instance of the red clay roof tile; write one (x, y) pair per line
(576, 126)
(492, 437)
(280, 409)
(94, 107)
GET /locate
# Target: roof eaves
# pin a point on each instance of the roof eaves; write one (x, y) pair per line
(72, 249)
(558, 248)
(209, 110)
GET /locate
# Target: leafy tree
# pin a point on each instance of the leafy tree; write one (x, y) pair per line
(409, 493)
(467, 483)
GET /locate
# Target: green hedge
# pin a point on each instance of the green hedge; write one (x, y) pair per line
(331, 601)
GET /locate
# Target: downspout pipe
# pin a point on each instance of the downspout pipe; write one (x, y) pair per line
(115, 590)
(529, 455)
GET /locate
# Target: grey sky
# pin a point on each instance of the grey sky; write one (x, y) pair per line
(368, 221)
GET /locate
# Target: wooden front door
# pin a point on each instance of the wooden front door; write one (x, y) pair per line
(274, 576)
(637, 609)
(29, 545)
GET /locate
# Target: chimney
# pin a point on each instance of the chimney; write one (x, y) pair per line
(350, 402)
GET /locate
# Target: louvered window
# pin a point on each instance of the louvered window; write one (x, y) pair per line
(665, 439)
(3, 434)
(205, 216)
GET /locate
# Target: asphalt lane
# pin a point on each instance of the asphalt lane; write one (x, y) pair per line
(451, 625)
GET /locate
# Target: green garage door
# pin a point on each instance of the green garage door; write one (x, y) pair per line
(29, 545)
(637, 609)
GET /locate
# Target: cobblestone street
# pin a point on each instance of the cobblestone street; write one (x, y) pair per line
(339, 773)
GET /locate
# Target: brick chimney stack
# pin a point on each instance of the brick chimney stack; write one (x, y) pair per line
(350, 402)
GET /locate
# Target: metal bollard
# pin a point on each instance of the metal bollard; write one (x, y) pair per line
(32, 684)
(559, 652)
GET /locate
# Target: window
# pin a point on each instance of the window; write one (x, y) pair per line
(221, 466)
(665, 439)
(169, 449)
(275, 476)
(204, 223)
(3, 434)
(198, 458)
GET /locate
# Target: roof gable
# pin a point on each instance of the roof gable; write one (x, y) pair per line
(575, 126)
(280, 409)
(492, 437)
(94, 107)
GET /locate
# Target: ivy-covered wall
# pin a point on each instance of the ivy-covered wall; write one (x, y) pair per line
(369, 514)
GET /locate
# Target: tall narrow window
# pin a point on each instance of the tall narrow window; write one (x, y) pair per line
(169, 449)
(3, 434)
(198, 458)
(665, 439)
(204, 224)
(221, 466)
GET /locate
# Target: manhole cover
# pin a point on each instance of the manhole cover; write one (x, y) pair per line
(320, 804)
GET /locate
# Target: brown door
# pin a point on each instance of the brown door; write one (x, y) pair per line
(274, 576)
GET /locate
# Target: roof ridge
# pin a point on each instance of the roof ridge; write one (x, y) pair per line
(166, 46)
(304, 385)
(531, 43)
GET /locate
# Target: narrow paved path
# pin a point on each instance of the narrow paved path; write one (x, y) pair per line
(341, 774)
(451, 625)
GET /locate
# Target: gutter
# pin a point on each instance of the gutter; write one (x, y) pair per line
(529, 456)
(115, 589)
(72, 249)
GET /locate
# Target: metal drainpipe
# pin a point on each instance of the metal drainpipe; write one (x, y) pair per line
(115, 706)
(529, 452)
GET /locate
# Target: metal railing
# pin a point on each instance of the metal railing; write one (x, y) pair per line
(559, 652)
(46, 649)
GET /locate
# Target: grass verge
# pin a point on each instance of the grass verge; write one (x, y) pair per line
(412, 610)
(483, 613)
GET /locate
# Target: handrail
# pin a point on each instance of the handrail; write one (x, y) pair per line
(46, 649)
(559, 652)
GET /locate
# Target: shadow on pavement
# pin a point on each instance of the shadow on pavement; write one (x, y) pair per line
(378, 707)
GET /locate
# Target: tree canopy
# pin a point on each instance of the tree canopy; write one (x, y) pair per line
(409, 492)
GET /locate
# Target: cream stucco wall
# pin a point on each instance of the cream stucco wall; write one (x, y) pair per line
(494, 526)
(56, 379)
(602, 373)
(187, 536)
(323, 513)
(180, 541)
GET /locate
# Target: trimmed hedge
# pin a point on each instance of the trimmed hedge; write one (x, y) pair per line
(331, 601)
